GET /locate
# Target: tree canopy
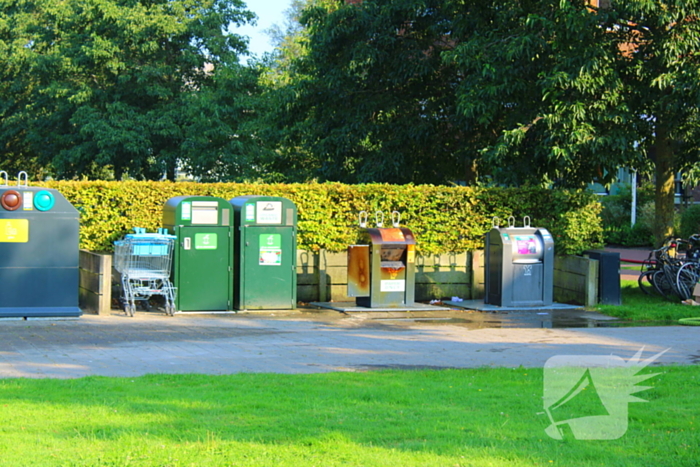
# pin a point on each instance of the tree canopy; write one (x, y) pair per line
(572, 92)
(372, 98)
(545, 92)
(138, 86)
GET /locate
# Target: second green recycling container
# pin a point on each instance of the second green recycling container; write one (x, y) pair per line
(265, 242)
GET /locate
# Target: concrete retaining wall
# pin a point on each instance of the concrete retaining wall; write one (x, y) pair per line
(95, 289)
(322, 276)
(575, 279)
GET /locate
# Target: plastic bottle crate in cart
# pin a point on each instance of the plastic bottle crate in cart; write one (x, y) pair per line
(151, 244)
(143, 245)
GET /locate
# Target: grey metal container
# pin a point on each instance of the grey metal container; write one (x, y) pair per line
(519, 266)
(39, 253)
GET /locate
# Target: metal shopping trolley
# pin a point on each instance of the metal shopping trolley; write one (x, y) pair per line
(144, 261)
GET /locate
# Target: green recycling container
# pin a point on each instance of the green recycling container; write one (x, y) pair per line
(265, 256)
(202, 261)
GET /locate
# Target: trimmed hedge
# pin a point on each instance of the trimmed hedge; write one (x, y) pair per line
(690, 221)
(444, 219)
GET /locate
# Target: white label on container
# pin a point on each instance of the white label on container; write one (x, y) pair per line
(205, 212)
(393, 286)
(270, 250)
(249, 212)
(268, 212)
(28, 198)
(186, 211)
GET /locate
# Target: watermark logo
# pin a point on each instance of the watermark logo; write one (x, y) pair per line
(586, 396)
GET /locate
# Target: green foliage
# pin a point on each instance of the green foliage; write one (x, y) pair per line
(616, 217)
(543, 92)
(541, 85)
(290, 40)
(690, 221)
(135, 86)
(616, 208)
(370, 99)
(444, 219)
(627, 235)
(564, 92)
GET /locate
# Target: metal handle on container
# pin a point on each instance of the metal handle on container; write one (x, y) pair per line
(26, 179)
(363, 219)
(380, 223)
(526, 222)
(7, 179)
(395, 218)
(187, 244)
(495, 222)
(511, 222)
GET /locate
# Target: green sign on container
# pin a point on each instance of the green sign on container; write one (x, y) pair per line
(205, 241)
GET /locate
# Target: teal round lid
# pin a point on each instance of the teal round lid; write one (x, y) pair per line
(44, 200)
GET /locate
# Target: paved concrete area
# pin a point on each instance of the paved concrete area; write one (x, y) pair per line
(307, 342)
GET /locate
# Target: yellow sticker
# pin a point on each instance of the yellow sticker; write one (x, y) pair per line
(411, 254)
(14, 230)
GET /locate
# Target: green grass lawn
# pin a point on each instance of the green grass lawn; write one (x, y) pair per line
(652, 309)
(483, 417)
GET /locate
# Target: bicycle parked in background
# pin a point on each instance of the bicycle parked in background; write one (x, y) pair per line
(673, 270)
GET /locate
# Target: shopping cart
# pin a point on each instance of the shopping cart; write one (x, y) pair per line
(144, 261)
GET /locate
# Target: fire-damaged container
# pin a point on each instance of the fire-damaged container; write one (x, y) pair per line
(381, 270)
(519, 265)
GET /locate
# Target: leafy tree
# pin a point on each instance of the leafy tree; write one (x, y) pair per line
(291, 39)
(287, 38)
(135, 85)
(371, 99)
(567, 92)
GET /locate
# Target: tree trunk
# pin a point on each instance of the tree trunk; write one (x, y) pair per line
(170, 172)
(118, 169)
(665, 192)
(471, 172)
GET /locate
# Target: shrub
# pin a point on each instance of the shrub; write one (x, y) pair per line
(444, 219)
(690, 221)
(631, 236)
(616, 217)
